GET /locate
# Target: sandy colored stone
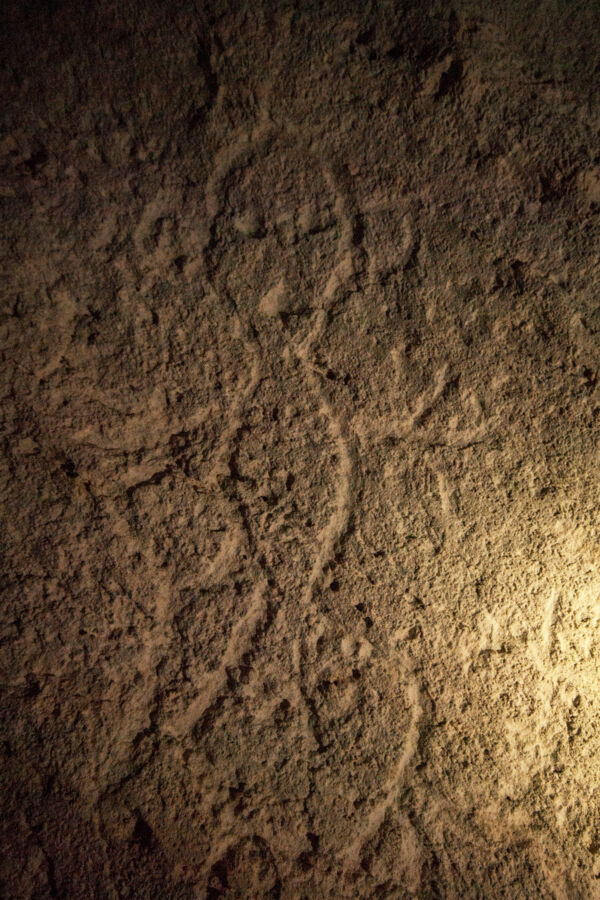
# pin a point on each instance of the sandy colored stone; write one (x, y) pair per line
(300, 342)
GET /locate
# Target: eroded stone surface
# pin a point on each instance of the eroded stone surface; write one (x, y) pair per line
(300, 346)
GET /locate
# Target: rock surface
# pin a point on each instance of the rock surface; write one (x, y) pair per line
(300, 337)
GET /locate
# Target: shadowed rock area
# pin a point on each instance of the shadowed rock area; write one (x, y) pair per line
(300, 342)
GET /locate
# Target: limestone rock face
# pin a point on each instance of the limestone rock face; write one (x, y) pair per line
(300, 343)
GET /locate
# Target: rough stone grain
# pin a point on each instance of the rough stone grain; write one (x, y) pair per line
(300, 341)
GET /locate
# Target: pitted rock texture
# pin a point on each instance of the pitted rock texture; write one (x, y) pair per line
(300, 341)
